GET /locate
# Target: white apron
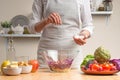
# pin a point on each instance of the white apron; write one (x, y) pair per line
(61, 36)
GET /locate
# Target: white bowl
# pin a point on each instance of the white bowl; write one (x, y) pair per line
(26, 69)
(12, 71)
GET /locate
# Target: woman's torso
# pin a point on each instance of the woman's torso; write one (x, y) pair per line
(61, 36)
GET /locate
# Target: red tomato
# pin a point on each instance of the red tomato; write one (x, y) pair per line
(112, 66)
(35, 65)
(106, 66)
(95, 67)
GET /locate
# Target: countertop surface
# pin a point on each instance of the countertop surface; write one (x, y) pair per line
(46, 74)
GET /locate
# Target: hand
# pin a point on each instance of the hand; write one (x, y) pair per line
(79, 39)
(54, 18)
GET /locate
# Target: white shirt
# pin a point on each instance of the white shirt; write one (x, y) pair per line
(75, 14)
(82, 10)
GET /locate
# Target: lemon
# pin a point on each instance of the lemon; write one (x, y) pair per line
(5, 63)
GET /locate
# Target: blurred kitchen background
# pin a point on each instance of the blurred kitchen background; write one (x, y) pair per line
(106, 33)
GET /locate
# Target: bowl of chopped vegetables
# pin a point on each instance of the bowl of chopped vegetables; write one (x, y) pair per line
(60, 60)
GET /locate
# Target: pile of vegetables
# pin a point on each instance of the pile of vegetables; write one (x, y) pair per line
(100, 61)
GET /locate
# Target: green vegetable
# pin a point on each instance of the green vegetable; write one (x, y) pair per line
(102, 55)
(86, 59)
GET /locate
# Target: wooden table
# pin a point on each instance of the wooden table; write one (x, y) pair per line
(45, 74)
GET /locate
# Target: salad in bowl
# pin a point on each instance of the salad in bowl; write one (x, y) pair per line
(60, 60)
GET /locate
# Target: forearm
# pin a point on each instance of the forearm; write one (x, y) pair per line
(40, 25)
(53, 18)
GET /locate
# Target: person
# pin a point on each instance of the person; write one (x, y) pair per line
(63, 24)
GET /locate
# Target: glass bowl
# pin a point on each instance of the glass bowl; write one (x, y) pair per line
(60, 60)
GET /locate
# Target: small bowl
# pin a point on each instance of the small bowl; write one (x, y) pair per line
(12, 71)
(60, 60)
(26, 69)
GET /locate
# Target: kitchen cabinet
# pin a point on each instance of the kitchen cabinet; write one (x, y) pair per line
(45, 74)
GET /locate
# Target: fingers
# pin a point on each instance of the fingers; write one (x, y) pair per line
(80, 41)
(59, 19)
(55, 18)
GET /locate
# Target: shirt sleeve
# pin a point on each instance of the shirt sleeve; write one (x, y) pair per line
(86, 17)
(37, 12)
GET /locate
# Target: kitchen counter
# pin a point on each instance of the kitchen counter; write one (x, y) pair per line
(45, 74)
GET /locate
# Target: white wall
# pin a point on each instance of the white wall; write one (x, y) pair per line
(10, 8)
(106, 35)
(24, 46)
